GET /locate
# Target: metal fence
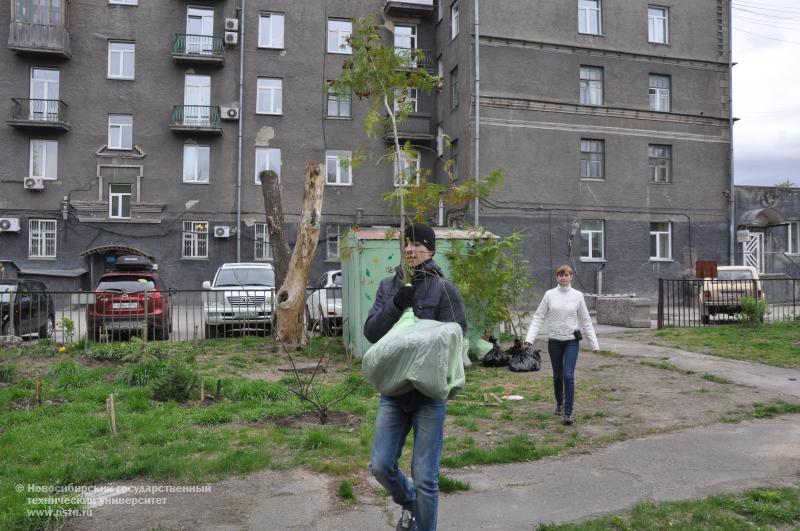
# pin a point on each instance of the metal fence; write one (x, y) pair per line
(159, 315)
(710, 302)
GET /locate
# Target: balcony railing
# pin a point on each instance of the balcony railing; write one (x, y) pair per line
(198, 48)
(416, 126)
(415, 58)
(196, 119)
(414, 8)
(39, 114)
(27, 37)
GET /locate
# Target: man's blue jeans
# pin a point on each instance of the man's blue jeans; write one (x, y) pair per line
(564, 357)
(396, 416)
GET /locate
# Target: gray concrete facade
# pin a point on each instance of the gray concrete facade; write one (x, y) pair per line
(532, 124)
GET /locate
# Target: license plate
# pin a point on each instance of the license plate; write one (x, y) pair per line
(125, 305)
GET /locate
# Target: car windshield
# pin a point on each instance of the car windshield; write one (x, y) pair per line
(126, 284)
(246, 276)
(337, 280)
(735, 274)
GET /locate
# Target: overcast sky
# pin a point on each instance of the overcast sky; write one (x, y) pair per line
(766, 46)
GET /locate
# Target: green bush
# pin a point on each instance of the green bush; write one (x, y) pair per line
(142, 373)
(7, 373)
(174, 382)
(753, 311)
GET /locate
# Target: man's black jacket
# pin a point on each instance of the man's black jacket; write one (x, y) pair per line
(434, 298)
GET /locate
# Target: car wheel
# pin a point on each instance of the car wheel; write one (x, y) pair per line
(307, 321)
(47, 328)
(326, 327)
(94, 333)
(211, 332)
(705, 318)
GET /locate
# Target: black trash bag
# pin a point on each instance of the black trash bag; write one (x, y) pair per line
(523, 359)
(495, 357)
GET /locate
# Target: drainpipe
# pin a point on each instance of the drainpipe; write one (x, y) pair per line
(241, 127)
(731, 195)
(477, 106)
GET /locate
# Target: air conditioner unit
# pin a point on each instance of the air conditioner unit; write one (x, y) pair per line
(229, 113)
(222, 231)
(34, 183)
(231, 38)
(231, 24)
(9, 224)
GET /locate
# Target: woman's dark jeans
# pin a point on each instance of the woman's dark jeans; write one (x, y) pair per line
(564, 357)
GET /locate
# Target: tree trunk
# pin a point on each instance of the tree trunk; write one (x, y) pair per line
(291, 296)
(278, 236)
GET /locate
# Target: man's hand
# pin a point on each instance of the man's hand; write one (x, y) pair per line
(404, 298)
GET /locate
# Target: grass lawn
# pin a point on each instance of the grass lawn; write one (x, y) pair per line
(773, 344)
(768, 508)
(255, 422)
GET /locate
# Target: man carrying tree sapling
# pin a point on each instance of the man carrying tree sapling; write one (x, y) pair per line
(430, 296)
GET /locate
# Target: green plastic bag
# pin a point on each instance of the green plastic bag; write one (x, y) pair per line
(420, 354)
(478, 347)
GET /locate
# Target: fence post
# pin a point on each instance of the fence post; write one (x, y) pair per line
(660, 318)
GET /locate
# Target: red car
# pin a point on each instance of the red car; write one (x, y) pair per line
(129, 301)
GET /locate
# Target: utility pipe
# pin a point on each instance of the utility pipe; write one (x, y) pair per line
(477, 107)
(241, 127)
(731, 191)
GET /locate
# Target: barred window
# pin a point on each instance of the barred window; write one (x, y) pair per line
(195, 239)
(42, 238)
(263, 249)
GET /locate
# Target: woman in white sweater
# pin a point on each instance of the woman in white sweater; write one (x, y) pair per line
(564, 311)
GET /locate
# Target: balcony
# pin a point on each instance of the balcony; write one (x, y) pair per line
(39, 114)
(196, 119)
(406, 8)
(416, 126)
(198, 49)
(411, 58)
(24, 37)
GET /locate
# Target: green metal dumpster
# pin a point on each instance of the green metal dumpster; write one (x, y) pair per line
(368, 256)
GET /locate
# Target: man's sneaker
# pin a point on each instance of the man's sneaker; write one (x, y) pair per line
(406, 522)
(568, 419)
(559, 410)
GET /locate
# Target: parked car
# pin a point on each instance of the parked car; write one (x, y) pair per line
(324, 304)
(26, 308)
(723, 294)
(130, 300)
(239, 299)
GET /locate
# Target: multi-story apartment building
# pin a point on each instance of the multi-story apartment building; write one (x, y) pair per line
(141, 126)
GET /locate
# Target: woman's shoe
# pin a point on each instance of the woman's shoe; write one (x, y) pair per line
(568, 419)
(559, 410)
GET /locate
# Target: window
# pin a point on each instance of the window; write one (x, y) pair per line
(403, 172)
(268, 159)
(661, 240)
(338, 166)
(120, 131)
(454, 88)
(454, 159)
(659, 93)
(119, 201)
(338, 33)
(263, 249)
(454, 20)
(592, 239)
(44, 159)
(39, 12)
(196, 163)
(195, 239)
(658, 24)
(121, 59)
(339, 105)
(592, 159)
(405, 40)
(42, 238)
(407, 99)
(660, 163)
(44, 94)
(269, 96)
(793, 246)
(333, 233)
(589, 17)
(270, 30)
(124, 2)
(591, 85)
